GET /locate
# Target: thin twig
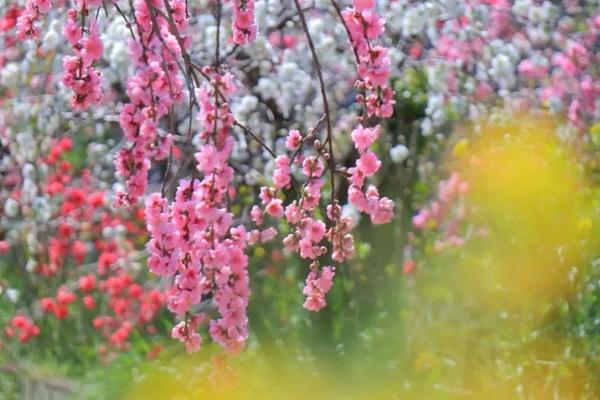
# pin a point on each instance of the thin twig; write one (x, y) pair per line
(317, 64)
(218, 45)
(259, 140)
(127, 23)
(341, 16)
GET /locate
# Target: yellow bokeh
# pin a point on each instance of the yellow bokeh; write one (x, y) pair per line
(528, 192)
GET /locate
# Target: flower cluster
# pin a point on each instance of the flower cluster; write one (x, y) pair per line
(317, 285)
(28, 23)
(367, 200)
(152, 90)
(365, 26)
(80, 75)
(244, 27)
(310, 234)
(188, 234)
(187, 332)
(194, 239)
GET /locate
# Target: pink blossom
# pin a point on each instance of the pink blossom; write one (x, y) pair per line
(293, 140)
(384, 213)
(281, 175)
(244, 28)
(28, 23)
(563, 62)
(256, 215)
(316, 287)
(368, 163)
(363, 5)
(363, 138)
(292, 213)
(274, 208)
(92, 46)
(313, 167)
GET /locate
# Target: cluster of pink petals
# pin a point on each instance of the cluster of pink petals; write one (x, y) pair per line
(244, 27)
(364, 27)
(79, 72)
(162, 246)
(152, 90)
(79, 75)
(194, 239)
(374, 64)
(308, 230)
(460, 50)
(187, 332)
(367, 199)
(310, 234)
(445, 213)
(28, 23)
(281, 175)
(572, 82)
(293, 140)
(316, 286)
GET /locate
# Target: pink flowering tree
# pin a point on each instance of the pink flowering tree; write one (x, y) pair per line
(192, 117)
